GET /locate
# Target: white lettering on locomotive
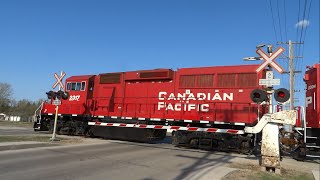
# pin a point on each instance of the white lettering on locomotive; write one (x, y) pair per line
(308, 100)
(184, 99)
(312, 87)
(74, 98)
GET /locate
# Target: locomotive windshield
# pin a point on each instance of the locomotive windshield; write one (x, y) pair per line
(76, 86)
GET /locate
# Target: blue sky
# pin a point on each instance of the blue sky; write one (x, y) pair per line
(39, 38)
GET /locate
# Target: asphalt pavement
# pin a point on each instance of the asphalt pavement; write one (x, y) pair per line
(7, 130)
(112, 159)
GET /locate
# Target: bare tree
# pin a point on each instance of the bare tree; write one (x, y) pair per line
(5, 97)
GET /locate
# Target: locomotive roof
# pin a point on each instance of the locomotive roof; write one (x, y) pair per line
(81, 77)
(249, 66)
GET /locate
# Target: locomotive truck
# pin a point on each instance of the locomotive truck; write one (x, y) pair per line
(205, 107)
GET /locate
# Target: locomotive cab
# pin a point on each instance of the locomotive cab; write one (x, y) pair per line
(80, 90)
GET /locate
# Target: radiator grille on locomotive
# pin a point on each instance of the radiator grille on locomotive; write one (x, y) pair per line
(110, 78)
(247, 80)
(189, 81)
(226, 80)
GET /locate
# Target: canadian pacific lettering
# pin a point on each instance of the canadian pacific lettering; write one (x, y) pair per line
(166, 100)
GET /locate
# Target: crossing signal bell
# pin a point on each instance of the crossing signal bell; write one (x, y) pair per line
(59, 95)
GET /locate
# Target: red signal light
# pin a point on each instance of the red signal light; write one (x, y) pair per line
(258, 96)
(281, 95)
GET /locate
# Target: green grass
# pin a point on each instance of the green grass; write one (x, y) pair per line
(16, 124)
(24, 138)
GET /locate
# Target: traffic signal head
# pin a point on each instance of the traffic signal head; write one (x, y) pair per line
(258, 96)
(281, 95)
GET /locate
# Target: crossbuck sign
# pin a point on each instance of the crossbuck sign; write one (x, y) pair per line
(59, 80)
(270, 59)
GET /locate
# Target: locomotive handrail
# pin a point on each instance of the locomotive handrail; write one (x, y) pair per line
(304, 125)
(35, 112)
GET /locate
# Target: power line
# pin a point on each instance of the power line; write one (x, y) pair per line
(274, 26)
(285, 19)
(279, 20)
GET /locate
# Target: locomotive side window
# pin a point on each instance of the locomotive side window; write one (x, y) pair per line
(73, 86)
(83, 86)
(76, 86)
(68, 86)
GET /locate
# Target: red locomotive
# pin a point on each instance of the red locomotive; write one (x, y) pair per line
(199, 100)
(311, 126)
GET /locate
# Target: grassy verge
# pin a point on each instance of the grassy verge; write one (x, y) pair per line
(248, 172)
(16, 124)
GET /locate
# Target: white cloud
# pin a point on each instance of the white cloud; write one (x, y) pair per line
(303, 23)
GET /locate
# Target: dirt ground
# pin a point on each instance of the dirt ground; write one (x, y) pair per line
(250, 172)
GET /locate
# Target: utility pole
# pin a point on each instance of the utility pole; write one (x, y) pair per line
(292, 71)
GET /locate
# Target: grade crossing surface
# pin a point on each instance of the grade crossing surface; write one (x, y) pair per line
(111, 160)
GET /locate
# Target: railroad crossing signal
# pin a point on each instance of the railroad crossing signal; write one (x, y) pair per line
(269, 59)
(59, 80)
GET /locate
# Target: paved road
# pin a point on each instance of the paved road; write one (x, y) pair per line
(6, 130)
(110, 160)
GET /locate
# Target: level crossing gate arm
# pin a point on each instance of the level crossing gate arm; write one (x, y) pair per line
(282, 117)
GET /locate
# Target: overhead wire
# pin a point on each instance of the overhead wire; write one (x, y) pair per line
(279, 20)
(303, 34)
(285, 61)
(274, 26)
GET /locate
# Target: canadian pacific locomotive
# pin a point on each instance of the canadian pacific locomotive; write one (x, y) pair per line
(205, 107)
